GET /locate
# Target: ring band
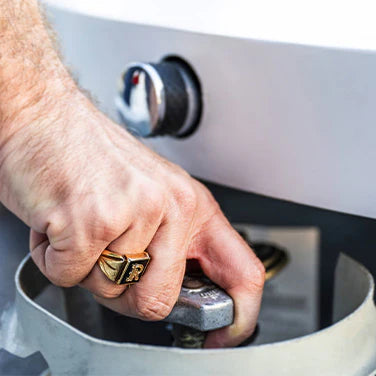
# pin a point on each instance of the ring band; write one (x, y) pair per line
(123, 269)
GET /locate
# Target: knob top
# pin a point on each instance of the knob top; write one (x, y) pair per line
(159, 99)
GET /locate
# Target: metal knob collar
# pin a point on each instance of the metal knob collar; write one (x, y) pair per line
(159, 99)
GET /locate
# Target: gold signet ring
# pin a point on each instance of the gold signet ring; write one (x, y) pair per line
(123, 269)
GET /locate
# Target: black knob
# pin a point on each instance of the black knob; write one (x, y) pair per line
(159, 99)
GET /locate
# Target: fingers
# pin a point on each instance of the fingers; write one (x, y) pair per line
(74, 238)
(67, 255)
(38, 244)
(155, 295)
(135, 240)
(228, 261)
(67, 258)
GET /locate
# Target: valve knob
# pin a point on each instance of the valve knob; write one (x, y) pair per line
(159, 99)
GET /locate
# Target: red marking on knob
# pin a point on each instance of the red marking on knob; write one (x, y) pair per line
(135, 79)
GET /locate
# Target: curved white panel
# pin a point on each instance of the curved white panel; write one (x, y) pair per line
(288, 121)
(335, 23)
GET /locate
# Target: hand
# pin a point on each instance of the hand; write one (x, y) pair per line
(83, 185)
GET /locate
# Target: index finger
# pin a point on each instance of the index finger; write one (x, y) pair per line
(229, 262)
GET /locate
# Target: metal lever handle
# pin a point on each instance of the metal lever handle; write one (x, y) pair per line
(204, 306)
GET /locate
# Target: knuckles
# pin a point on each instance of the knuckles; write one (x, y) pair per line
(62, 278)
(78, 232)
(103, 229)
(175, 192)
(107, 292)
(152, 199)
(184, 197)
(152, 308)
(258, 275)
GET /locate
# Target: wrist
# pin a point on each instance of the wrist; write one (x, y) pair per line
(29, 97)
(40, 103)
(36, 141)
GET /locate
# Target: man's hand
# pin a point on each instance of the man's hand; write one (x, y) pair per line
(83, 185)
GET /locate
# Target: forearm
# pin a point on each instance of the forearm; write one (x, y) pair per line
(31, 73)
(39, 101)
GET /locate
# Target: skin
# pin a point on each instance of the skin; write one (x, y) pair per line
(83, 184)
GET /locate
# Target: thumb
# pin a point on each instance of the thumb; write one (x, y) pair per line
(230, 263)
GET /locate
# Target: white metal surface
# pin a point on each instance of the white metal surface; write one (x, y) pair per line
(335, 23)
(285, 120)
(346, 348)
